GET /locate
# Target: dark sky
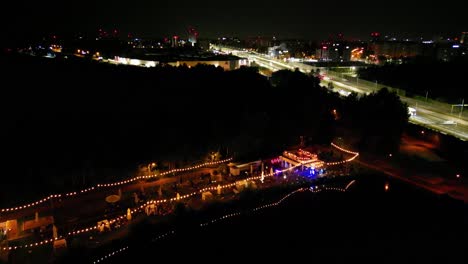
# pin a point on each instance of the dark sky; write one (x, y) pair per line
(288, 18)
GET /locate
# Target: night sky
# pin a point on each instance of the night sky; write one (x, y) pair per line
(213, 18)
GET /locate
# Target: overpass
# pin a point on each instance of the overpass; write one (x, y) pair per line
(430, 114)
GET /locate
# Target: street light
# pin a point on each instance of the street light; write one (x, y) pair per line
(462, 104)
(151, 166)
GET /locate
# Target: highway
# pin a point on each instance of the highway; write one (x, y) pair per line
(436, 116)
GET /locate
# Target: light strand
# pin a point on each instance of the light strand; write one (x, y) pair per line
(355, 155)
(312, 189)
(70, 194)
(175, 198)
(115, 252)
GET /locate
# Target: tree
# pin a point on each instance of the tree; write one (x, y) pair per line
(382, 118)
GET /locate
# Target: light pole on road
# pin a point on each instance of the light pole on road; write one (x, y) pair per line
(461, 110)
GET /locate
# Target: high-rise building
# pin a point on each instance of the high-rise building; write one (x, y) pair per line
(338, 52)
(464, 38)
(175, 41)
(322, 53)
(375, 36)
(192, 36)
(395, 49)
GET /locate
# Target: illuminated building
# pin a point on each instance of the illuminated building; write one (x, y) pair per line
(237, 169)
(279, 51)
(322, 53)
(395, 49)
(227, 63)
(449, 51)
(340, 52)
(192, 36)
(175, 41)
(464, 38)
(375, 36)
(357, 54)
(302, 157)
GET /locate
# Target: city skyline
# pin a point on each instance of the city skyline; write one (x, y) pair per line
(295, 19)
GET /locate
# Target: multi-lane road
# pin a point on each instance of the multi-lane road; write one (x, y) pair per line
(434, 116)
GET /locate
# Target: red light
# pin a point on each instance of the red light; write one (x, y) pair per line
(324, 47)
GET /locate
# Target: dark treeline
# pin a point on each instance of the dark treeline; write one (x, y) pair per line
(69, 124)
(440, 80)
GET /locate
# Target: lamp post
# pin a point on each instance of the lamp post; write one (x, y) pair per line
(151, 167)
(461, 110)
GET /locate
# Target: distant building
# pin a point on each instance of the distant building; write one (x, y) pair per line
(133, 62)
(395, 49)
(337, 52)
(259, 43)
(175, 41)
(322, 53)
(449, 51)
(227, 63)
(277, 51)
(464, 38)
(236, 169)
(346, 53)
(203, 44)
(375, 36)
(192, 36)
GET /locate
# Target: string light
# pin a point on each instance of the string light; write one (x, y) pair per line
(70, 194)
(224, 217)
(163, 174)
(311, 189)
(35, 244)
(176, 198)
(344, 150)
(31, 204)
(113, 253)
(355, 155)
(301, 159)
